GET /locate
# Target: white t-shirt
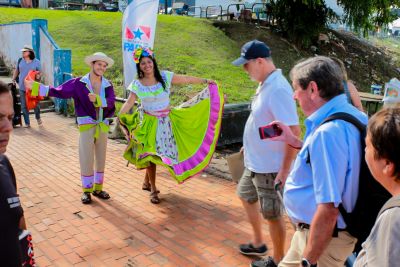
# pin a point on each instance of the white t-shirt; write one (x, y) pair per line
(273, 101)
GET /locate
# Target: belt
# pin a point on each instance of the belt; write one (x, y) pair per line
(253, 174)
(301, 226)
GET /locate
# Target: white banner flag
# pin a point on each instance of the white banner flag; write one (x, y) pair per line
(138, 29)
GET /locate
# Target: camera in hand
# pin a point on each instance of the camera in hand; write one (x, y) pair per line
(269, 131)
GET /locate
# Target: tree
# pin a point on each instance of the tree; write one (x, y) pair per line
(365, 15)
(302, 20)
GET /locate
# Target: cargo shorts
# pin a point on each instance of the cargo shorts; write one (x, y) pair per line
(260, 186)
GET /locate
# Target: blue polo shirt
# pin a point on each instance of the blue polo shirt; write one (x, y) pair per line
(334, 150)
(24, 68)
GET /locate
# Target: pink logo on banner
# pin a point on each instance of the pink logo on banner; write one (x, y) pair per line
(141, 33)
(128, 34)
(147, 31)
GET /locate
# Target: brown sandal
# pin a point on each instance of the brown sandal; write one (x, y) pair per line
(146, 187)
(154, 197)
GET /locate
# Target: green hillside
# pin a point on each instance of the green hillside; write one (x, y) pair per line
(184, 45)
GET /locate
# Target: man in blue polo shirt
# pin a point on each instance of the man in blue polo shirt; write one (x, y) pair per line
(326, 170)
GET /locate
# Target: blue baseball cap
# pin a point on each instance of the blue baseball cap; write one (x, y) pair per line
(252, 50)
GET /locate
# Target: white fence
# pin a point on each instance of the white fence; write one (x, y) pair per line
(12, 38)
(55, 62)
(46, 57)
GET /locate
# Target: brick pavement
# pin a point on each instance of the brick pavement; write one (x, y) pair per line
(198, 223)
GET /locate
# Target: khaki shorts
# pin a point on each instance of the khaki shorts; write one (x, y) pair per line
(260, 186)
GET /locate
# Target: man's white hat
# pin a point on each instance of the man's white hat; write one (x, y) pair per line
(99, 56)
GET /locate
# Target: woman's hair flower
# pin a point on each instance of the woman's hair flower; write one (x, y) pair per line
(142, 52)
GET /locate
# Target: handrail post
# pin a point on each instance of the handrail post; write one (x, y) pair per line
(36, 25)
(62, 65)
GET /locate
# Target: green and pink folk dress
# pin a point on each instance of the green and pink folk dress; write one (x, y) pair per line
(183, 138)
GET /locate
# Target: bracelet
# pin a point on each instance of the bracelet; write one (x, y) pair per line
(295, 147)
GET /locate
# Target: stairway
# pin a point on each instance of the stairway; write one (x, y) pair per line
(3, 69)
(46, 105)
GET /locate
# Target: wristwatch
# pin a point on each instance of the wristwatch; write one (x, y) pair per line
(306, 263)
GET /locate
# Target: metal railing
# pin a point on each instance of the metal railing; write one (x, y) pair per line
(238, 7)
(255, 12)
(213, 14)
(262, 12)
(191, 13)
(67, 76)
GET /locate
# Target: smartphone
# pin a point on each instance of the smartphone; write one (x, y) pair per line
(269, 131)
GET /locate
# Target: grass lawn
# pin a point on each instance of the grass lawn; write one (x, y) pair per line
(183, 45)
(392, 45)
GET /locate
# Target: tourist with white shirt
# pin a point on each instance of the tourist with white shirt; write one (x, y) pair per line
(267, 163)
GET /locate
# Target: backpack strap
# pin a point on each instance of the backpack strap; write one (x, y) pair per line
(348, 118)
(391, 203)
(19, 61)
(345, 117)
(361, 128)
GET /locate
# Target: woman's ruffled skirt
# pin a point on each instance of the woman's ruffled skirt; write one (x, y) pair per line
(182, 140)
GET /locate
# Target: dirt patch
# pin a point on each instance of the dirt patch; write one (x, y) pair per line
(218, 166)
(366, 64)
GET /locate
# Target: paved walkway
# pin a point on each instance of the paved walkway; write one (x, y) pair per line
(198, 223)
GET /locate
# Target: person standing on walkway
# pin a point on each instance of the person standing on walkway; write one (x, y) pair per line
(326, 171)
(349, 88)
(94, 100)
(266, 162)
(25, 64)
(382, 247)
(11, 212)
(181, 139)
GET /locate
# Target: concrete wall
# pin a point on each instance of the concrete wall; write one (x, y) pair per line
(55, 62)
(47, 58)
(13, 37)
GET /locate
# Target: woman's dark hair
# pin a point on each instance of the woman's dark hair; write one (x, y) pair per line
(384, 133)
(157, 73)
(31, 55)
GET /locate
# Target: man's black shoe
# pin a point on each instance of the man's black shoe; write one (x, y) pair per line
(86, 198)
(267, 262)
(249, 249)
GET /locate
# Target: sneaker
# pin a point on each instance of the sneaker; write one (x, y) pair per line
(267, 262)
(249, 249)
(40, 122)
